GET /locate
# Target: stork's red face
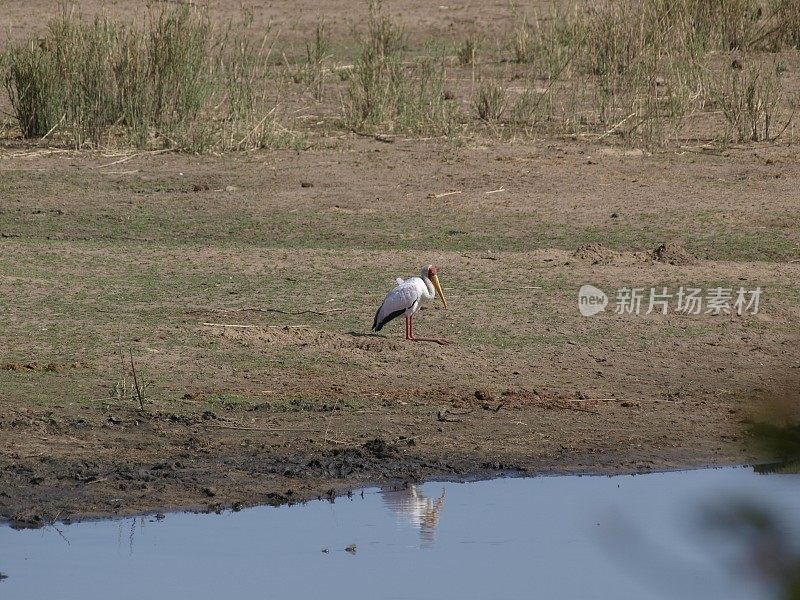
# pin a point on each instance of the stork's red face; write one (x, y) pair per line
(432, 272)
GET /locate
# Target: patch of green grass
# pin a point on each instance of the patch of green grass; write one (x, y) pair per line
(163, 220)
(757, 245)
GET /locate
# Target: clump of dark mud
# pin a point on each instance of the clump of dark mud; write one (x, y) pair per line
(381, 448)
(376, 457)
(597, 254)
(673, 254)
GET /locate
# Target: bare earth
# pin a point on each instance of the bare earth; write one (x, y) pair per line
(103, 256)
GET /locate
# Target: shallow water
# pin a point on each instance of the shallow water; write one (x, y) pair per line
(636, 537)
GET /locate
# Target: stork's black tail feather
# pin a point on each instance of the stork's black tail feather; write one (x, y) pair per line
(376, 326)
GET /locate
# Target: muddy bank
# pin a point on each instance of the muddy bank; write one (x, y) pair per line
(72, 463)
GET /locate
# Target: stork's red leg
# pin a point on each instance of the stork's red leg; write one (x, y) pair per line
(410, 334)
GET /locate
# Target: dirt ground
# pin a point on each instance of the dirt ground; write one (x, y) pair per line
(420, 19)
(243, 288)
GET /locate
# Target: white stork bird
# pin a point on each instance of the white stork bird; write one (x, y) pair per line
(405, 299)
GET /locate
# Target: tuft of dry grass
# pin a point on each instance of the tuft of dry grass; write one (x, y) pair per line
(637, 72)
(751, 99)
(489, 101)
(317, 54)
(634, 70)
(171, 81)
(468, 50)
(386, 91)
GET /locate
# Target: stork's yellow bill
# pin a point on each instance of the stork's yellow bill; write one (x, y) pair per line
(438, 287)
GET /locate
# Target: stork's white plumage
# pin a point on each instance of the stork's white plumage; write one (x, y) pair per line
(405, 299)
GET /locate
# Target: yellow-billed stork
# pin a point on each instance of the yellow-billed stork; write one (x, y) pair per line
(406, 298)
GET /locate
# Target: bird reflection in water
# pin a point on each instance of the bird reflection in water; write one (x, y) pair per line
(411, 505)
